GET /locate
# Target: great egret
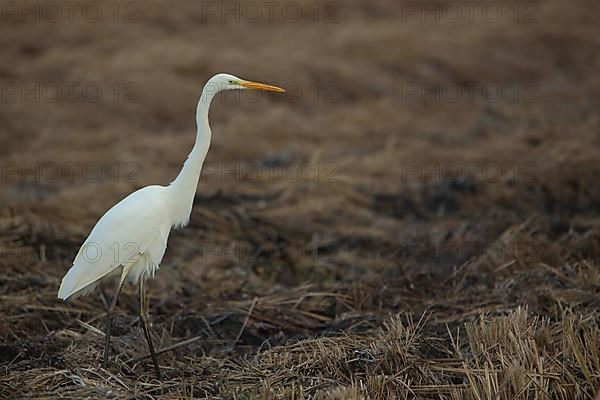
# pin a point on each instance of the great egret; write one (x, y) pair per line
(131, 238)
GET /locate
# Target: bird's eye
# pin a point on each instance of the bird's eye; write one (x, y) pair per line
(231, 82)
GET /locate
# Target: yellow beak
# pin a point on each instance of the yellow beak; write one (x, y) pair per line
(261, 86)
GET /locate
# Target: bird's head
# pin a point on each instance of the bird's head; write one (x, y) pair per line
(223, 82)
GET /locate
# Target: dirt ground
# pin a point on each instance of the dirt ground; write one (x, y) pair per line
(418, 217)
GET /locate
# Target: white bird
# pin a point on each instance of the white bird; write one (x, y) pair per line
(129, 241)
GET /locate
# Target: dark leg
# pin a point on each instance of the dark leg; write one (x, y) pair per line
(144, 319)
(109, 316)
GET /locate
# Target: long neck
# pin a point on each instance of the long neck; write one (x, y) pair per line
(183, 188)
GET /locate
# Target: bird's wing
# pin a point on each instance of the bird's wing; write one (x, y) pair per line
(132, 227)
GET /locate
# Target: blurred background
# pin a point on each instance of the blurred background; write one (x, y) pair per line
(434, 160)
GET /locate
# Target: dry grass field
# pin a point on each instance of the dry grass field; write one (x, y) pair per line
(418, 217)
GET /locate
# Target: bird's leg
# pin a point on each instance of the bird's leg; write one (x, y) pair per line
(144, 319)
(109, 316)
